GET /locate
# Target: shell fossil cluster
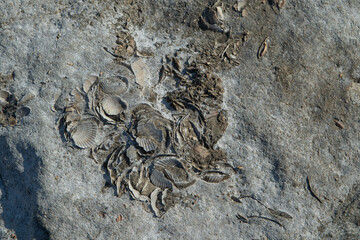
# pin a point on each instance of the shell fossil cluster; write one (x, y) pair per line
(145, 153)
(12, 109)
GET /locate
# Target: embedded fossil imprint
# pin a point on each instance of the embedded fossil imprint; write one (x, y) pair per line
(150, 155)
(12, 109)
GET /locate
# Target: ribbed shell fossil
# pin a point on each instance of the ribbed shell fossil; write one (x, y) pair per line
(147, 143)
(84, 134)
(114, 85)
(113, 105)
(144, 152)
(158, 179)
(214, 176)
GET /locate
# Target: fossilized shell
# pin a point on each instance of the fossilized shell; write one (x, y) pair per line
(113, 105)
(214, 176)
(4, 96)
(141, 181)
(201, 151)
(148, 129)
(239, 5)
(71, 117)
(168, 162)
(147, 188)
(167, 199)
(219, 13)
(132, 153)
(84, 134)
(22, 111)
(114, 85)
(158, 179)
(146, 143)
(154, 197)
(88, 83)
(142, 72)
(175, 171)
(134, 179)
(116, 162)
(280, 213)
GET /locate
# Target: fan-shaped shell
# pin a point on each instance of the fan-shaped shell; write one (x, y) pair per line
(150, 130)
(146, 143)
(214, 176)
(173, 169)
(168, 163)
(113, 105)
(158, 179)
(114, 85)
(84, 134)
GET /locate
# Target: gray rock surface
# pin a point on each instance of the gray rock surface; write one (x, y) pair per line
(294, 119)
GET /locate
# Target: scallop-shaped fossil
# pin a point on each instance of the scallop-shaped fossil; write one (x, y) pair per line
(148, 129)
(168, 162)
(158, 179)
(114, 85)
(214, 176)
(84, 134)
(174, 171)
(113, 105)
(146, 143)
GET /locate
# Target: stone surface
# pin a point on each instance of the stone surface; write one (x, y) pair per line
(294, 115)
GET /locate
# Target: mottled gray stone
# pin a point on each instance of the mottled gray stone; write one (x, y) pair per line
(281, 129)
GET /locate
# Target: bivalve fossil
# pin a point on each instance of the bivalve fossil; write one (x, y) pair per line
(84, 133)
(214, 176)
(11, 109)
(151, 154)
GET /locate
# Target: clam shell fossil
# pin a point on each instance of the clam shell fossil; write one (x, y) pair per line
(114, 85)
(144, 152)
(131, 153)
(154, 198)
(214, 176)
(175, 171)
(168, 163)
(158, 179)
(113, 105)
(84, 134)
(142, 72)
(146, 143)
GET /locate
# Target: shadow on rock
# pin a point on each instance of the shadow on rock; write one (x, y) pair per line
(19, 186)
